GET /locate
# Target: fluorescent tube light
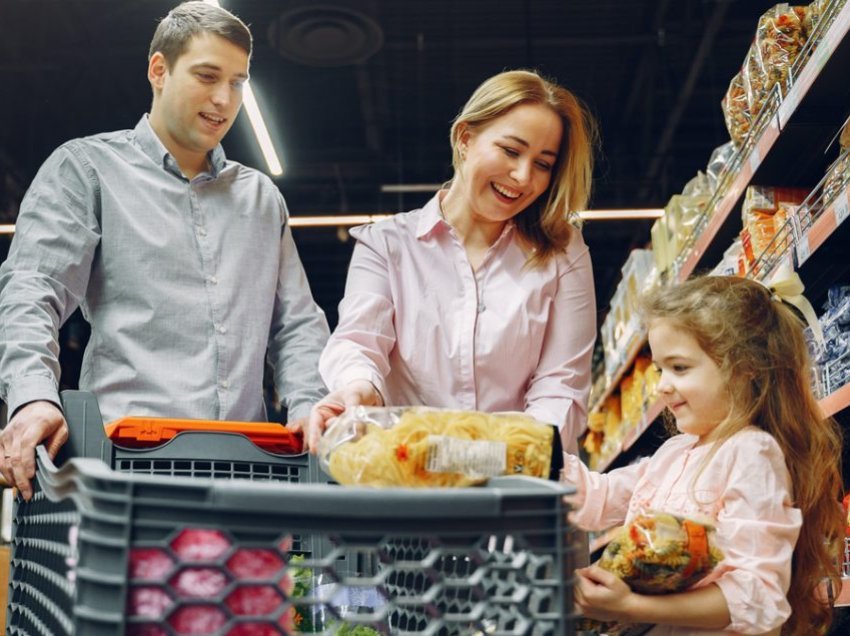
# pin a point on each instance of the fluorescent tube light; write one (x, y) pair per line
(410, 187)
(335, 221)
(258, 124)
(617, 215)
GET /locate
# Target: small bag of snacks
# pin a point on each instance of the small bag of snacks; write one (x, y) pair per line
(661, 553)
(736, 110)
(426, 447)
(656, 553)
(780, 37)
(838, 174)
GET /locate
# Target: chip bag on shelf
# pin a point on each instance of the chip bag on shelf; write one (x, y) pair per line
(838, 174)
(427, 447)
(780, 36)
(736, 110)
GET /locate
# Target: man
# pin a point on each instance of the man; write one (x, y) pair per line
(182, 262)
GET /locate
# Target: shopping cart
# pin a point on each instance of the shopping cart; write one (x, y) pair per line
(181, 550)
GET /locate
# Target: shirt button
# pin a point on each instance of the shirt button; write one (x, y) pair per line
(222, 329)
(202, 232)
(213, 280)
(224, 384)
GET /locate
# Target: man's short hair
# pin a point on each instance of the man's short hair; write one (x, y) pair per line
(185, 21)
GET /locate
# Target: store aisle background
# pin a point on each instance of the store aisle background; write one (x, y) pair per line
(362, 93)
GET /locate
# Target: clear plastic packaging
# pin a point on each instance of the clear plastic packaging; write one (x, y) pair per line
(718, 163)
(780, 36)
(736, 110)
(426, 447)
(662, 553)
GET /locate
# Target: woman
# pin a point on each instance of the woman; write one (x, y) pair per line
(483, 299)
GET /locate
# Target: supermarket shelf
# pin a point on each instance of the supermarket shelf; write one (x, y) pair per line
(836, 401)
(628, 359)
(650, 414)
(791, 148)
(821, 94)
(823, 227)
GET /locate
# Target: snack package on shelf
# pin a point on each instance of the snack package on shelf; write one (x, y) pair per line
(425, 447)
(639, 275)
(780, 37)
(688, 212)
(819, 10)
(631, 400)
(612, 431)
(662, 249)
(718, 164)
(732, 263)
(650, 374)
(595, 433)
(764, 214)
(736, 110)
(754, 81)
(834, 356)
(838, 174)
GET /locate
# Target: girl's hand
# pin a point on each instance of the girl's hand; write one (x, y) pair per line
(602, 595)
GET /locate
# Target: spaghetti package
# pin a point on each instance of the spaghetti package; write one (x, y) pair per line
(424, 447)
(661, 553)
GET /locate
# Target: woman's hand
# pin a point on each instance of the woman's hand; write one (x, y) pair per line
(356, 393)
(603, 595)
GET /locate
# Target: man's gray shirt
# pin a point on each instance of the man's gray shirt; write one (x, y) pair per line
(185, 285)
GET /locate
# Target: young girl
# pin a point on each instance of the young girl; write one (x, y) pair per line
(754, 455)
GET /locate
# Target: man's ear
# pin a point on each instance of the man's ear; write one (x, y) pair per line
(157, 71)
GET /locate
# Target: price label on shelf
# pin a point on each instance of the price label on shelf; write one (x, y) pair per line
(841, 207)
(802, 248)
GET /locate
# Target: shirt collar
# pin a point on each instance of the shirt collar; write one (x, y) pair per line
(153, 147)
(431, 220)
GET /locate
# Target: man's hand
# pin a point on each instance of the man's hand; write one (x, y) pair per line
(32, 424)
(359, 392)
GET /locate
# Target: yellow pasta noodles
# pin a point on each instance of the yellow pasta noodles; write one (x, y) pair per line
(423, 447)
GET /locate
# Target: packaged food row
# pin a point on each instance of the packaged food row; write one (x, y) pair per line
(781, 33)
(621, 412)
(833, 355)
(621, 327)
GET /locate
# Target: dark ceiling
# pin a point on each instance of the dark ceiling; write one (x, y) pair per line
(653, 73)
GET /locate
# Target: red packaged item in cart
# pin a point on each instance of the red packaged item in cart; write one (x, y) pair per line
(146, 432)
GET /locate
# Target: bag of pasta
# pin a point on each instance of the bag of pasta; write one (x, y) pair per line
(425, 447)
(660, 553)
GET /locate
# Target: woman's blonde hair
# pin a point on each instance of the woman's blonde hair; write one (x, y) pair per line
(759, 345)
(546, 223)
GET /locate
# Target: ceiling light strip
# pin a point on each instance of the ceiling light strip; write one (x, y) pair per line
(343, 220)
(260, 130)
(410, 187)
